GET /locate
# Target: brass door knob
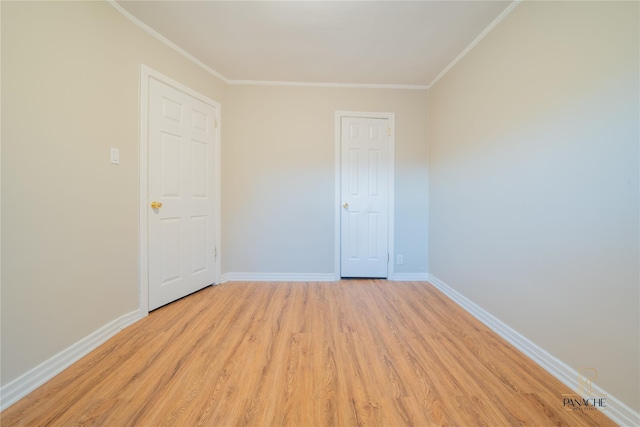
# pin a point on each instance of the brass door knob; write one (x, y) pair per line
(346, 206)
(156, 205)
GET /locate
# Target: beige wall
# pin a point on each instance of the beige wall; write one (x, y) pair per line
(533, 170)
(279, 176)
(70, 79)
(533, 181)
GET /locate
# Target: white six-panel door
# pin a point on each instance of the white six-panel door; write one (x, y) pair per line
(364, 224)
(181, 159)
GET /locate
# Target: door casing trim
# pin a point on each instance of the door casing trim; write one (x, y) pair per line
(146, 74)
(338, 193)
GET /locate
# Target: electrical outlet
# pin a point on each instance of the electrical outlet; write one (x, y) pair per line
(400, 259)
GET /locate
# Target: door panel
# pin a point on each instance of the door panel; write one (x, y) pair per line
(170, 164)
(365, 197)
(181, 166)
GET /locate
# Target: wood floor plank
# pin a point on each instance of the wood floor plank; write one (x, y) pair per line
(354, 352)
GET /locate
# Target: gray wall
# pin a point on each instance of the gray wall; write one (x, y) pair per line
(70, 83)
(70, 80)
(533, 181)
(279, 176)
(533, 170)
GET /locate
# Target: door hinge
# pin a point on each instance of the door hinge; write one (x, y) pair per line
(215, 123)
(389, 131)
(215, 252)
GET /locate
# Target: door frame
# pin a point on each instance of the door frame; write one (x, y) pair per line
(146, 74)
(338, 190)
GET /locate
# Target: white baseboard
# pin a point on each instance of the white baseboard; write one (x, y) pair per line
(309, 277)
(278, 277)
(29, 381)
(409, 277)
(615, 410)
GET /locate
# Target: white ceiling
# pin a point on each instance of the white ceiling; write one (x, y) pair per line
(347, 42)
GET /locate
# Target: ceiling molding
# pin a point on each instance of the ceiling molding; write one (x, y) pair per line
(336, 85)
(166, 41)
(216, 74)
(475, 41)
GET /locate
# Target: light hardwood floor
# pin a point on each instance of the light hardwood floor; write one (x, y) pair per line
(304, 354)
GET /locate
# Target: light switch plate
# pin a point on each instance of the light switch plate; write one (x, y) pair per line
(115, 156)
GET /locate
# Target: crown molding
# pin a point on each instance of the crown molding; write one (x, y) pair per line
(216, 74)
(475, 41)
(334, 85)
(153, 33)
